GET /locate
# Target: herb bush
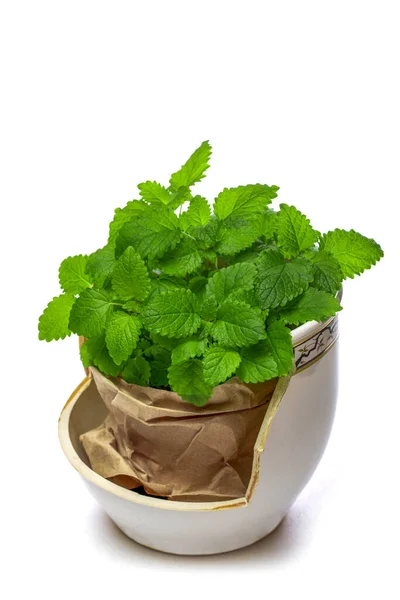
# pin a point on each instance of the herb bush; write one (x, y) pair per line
(184, 300)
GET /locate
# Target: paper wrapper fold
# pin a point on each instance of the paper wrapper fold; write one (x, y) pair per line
(152, 438)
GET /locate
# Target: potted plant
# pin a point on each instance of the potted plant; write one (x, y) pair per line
(197, 324)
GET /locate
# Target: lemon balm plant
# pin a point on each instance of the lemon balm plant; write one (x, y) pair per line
(184, 295)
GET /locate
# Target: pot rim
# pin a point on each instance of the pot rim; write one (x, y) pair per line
(299, 335)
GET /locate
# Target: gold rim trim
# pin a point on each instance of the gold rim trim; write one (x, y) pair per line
(261, 440)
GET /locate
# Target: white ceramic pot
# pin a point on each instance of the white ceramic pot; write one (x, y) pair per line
(289, 447)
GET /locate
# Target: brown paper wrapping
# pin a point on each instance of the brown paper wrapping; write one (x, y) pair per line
(152, 438)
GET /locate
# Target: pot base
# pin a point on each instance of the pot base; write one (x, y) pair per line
(209, 552)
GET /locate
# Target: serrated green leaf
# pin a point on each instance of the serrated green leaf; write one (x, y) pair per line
(130, 278)
(198, 214)
(150, 234)
(85, 355)
(194, 168)
(247, 296)
(209, 307)
(122, 334)
(100, 265)
(174, 314)
(132, 306)
(257, 364)
(219, 363)
(238, 324)
(229, 279)
(137, 370)
(72, 275)
(295, 233)
(313, 305)
(154, 192)
(279, 340)
(90, 312)
(187, 380)
(243, 201)
(185, 258)
(188, 349)
(96, 353)
(179, 197)
(165, 283)
(164, 342)
(278, 281)
(237, 234)
(269, 224)
(353, 251)
(124, 215)
(206, 235)
(53, 323)
(327, 272)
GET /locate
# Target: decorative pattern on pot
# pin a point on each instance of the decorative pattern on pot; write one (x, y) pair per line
(306, 352)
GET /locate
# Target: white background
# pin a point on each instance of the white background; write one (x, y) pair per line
(99, 96)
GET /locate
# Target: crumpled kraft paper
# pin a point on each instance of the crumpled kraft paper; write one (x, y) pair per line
(152, 438)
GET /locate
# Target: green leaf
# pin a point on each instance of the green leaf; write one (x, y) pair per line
(279, 281)
(269, 224)
(219, 363)
(279, 340)
(230, 279)
(257, 364)
(179, 197)
(188, 349)
(90, 312)
(247, 296)
(327, 272)
(237, 234)
(313, 305)
(72, 276)
(132, 306)
(159, 365)
(100, 264)
(154, 192)
(238, 324)
(194, 168)
(243, 201)
(124, 215)
(295, 233)
(187, 380)
(197, 214)
(150, 234)
(94, 352)
(183, 259)
(165, 283)
(247, 256)
(353, 251)
(122, 334)
(53, 323)
(206, 235)
(137, 370)
(130, 278)
(209, 307)
(174, 314)
(198, 286)
(164, 342)
(85, 355)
